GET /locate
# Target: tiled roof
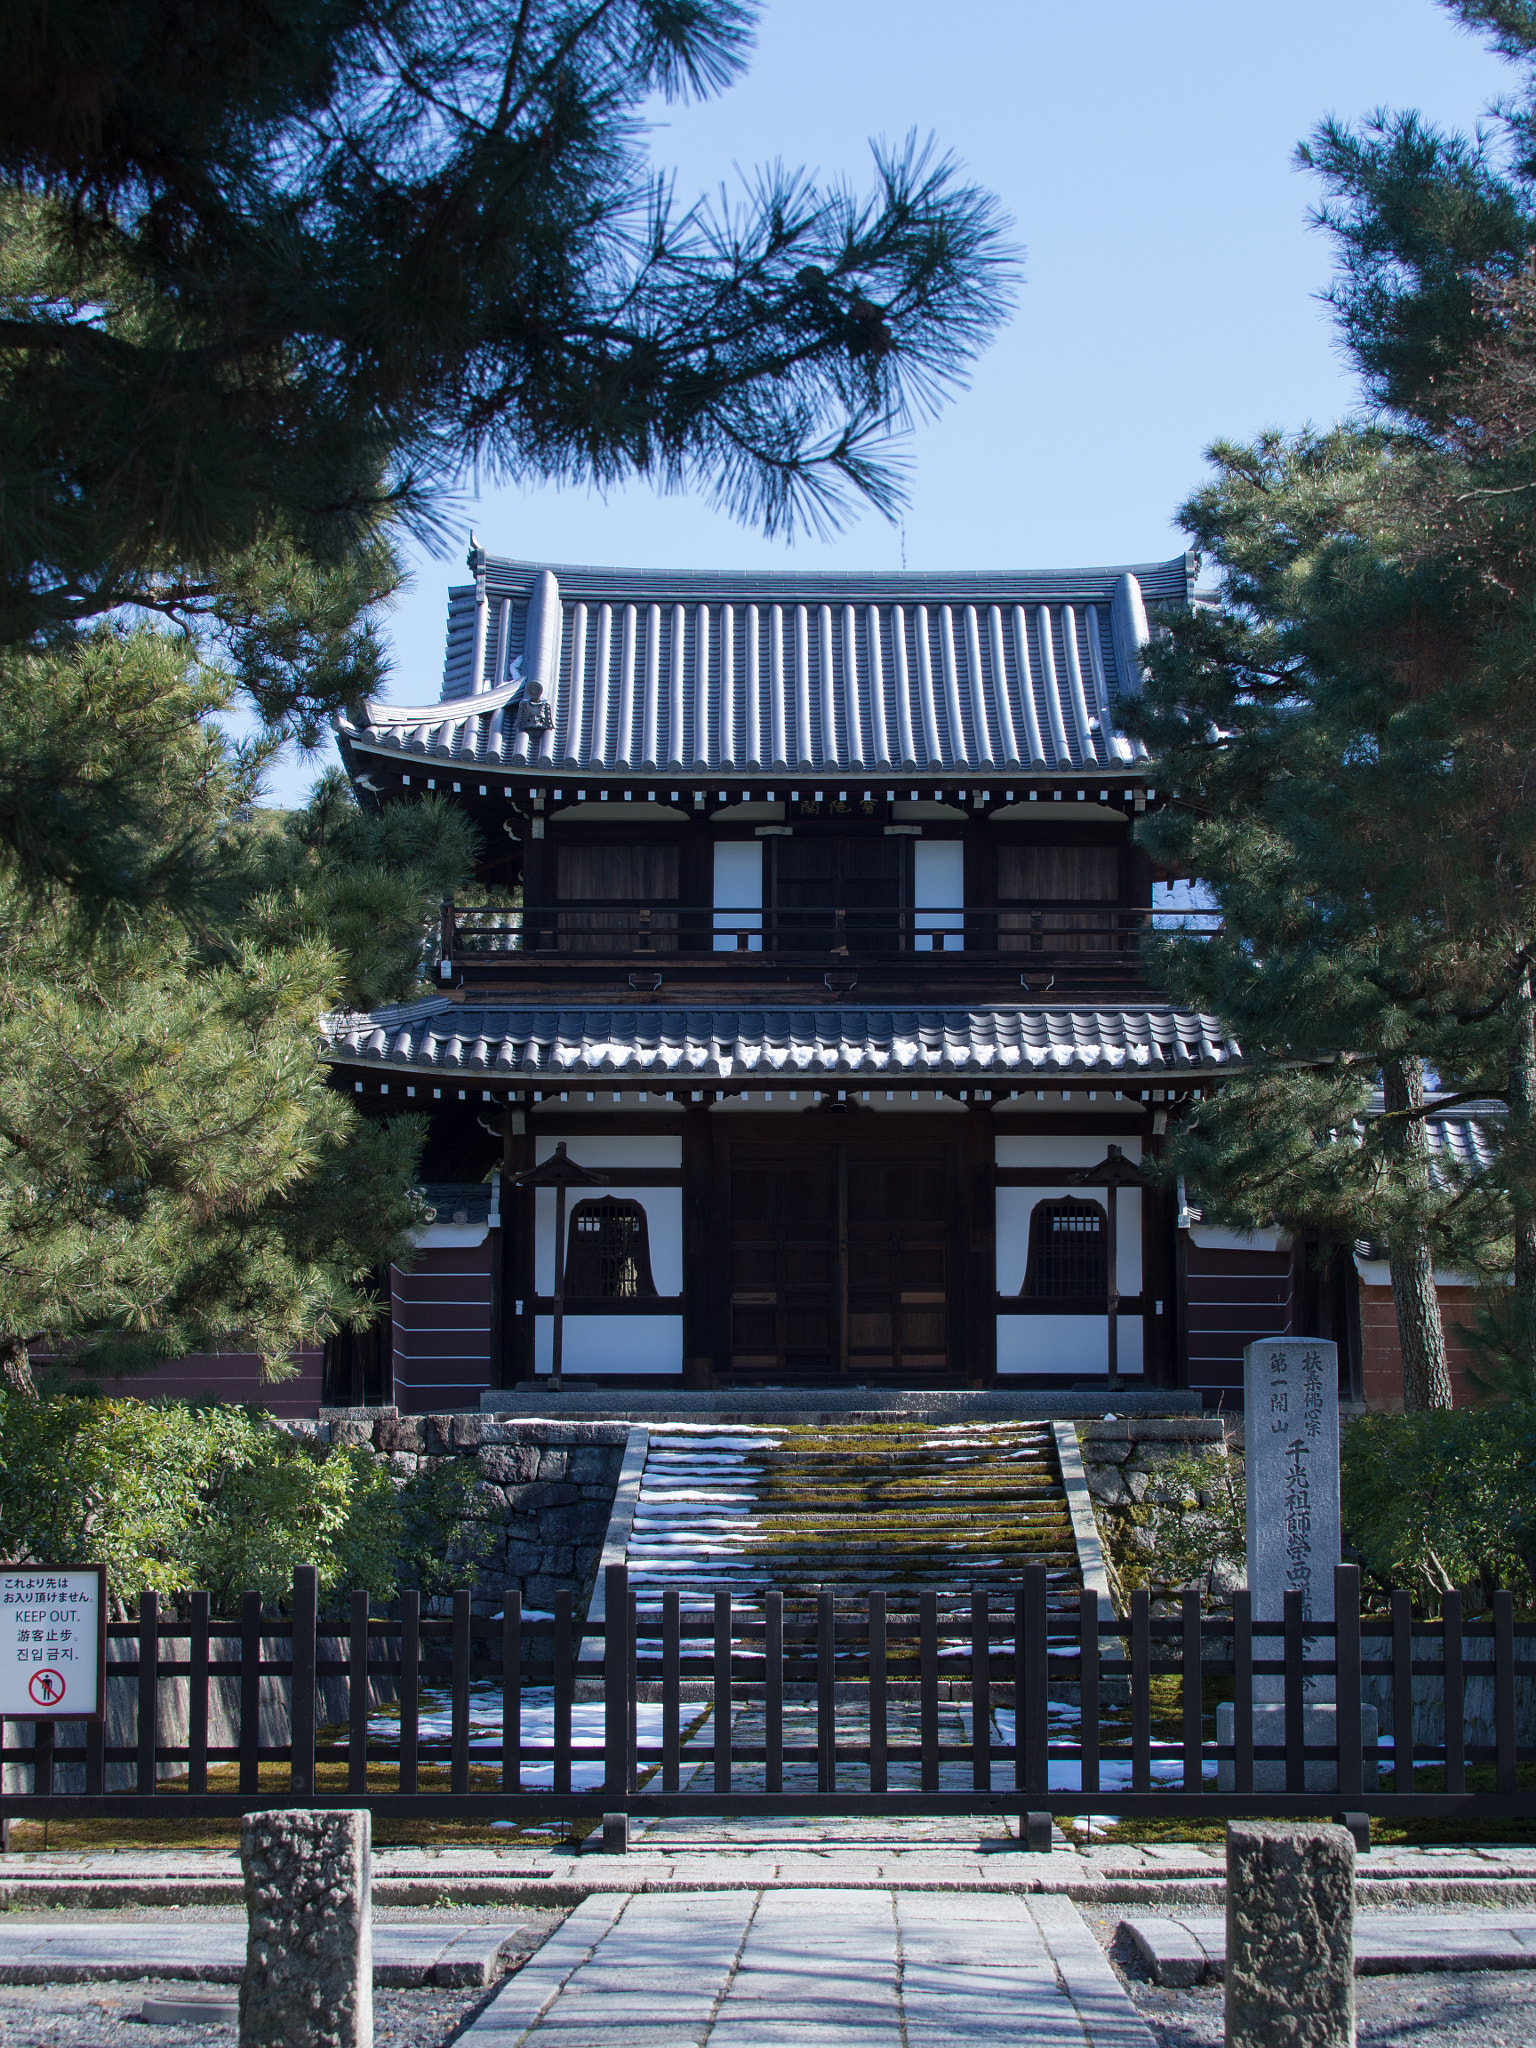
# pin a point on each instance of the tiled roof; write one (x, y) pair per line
(636, 672)
(662, 1046)
(1462, 1141)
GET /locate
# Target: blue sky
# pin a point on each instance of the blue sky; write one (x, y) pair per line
(1171, 278)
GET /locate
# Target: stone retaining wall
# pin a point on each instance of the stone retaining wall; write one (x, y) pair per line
(546, 1489)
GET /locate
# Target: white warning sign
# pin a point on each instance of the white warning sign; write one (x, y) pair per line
(52, 1626)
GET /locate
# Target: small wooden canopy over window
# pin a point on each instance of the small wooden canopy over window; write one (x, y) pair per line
(1067, 1256)
(608, 1256)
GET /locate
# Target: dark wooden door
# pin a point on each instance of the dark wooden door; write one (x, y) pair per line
(839, 1263)
(838, 894)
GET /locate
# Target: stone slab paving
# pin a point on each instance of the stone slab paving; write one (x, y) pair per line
(186, 1950)
(805, 1968)
(1191, 1949)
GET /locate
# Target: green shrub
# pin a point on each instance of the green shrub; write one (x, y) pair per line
(1444, 1499)
(171, 1496)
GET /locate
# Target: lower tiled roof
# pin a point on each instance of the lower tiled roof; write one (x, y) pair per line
(1032, 1044)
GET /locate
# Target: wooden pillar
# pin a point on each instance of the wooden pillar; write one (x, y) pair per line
(517, 1251)
(980, 881)
(698, 1281)
(979, 1222)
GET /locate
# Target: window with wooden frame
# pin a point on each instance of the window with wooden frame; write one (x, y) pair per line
(836, 893)
(625, 886)
(1068, 1256)
(608, 1251)
(1058, 883)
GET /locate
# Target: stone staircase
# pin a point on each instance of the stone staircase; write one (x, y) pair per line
(903, 1505)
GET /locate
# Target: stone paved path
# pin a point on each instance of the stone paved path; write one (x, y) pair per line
(815, 1969)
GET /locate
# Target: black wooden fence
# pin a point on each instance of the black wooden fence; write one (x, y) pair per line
(825, 1706)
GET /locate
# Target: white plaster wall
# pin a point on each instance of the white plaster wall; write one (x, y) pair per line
(1014, 1207)
(938, 885)
(664, 1223)
(739, 891)
(606, 1151)
(1078, 1344)
(1212, 1238)
(1084, 1149)
(637, 1344)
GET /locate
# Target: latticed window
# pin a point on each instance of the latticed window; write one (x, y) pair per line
(1067, 1256)
(608, 1256)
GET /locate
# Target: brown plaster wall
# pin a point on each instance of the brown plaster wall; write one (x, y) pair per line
(1381, 1350)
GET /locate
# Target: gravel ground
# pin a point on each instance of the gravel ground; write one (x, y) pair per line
(107, 2015)
(1493, 2008)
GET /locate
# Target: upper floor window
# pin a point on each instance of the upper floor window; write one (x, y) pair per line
(610, 878)
(608, 1251)
(1063, 876)
(1068, 1260)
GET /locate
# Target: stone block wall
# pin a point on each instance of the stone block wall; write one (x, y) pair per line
(545, 1488)
(1121, 1458)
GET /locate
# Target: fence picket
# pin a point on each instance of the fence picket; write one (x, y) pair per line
(357, 1694)
(565, 1692)
(615, 1680)
(773, 1692)
(1141, 1691)
(149, 1689)
(1242, 1692)
(458, 1748)
(1504, 1689)
(826, 1693)
(301, 1760)
(197, 1695)
(42, 1758)
(981, 1692)
(1346, 1650)
(1088, 1689)
(722, 1676)
(512, 1692)
(1295, 1695)
(1402, 1691)
(1455, 1694)
(879, 1723)
(671, 1690)
(95, 1757)
(928, 1688)
(410, 1690)
(1191, 1683)
(1031, 1708)
(250, 1692)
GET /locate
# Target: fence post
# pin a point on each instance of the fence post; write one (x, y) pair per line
(197, 1696)
(458, 1754)
(357, 1695)
(672, 1685)
(42, 1759)
(565, 1691)
(879, 1719)
(301, 1755)
(981, 1691)
(928, 1688)
(615, 1681)
(773, 1693)
(250, 1692)
(149, 1688)
(1346, 1639)
(1190, 1689)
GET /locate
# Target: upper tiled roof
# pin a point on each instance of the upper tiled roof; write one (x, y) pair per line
(646, 671)
(675, 1047)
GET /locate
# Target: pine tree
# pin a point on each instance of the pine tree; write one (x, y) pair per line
(1349, 735)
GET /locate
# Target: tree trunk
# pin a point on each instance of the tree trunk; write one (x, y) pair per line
(1426, 1376)
(1522, 1119)
(16, 1368)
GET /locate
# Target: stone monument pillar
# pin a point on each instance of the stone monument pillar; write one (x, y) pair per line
(1291, 1462)
(309, 1945)
(1291, 1458)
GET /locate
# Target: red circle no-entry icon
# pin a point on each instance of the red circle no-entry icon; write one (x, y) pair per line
(47, 1688)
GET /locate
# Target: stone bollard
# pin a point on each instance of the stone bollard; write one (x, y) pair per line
(1290, 1968)
(309, 1947)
